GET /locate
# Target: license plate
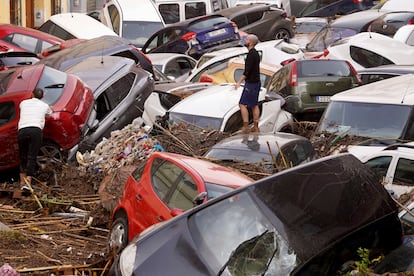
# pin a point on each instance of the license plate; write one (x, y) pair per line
(323, 99)
(216, 32)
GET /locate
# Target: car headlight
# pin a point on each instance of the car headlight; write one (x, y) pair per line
(127, 259)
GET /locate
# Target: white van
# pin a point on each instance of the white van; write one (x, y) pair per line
(132, 19)
(72, 25)
(173, 11)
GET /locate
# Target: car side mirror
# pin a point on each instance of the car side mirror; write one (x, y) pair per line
(200, 198)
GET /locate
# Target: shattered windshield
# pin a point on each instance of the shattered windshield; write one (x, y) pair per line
(236, 238)
(372, 120)
(204, 122)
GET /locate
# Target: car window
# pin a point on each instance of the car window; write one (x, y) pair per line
(367, 58)
(164, 175)
(53, 29)
(53, 84)
(26, 42)
(380, 164)
(5, 77)
(115, 19)
(137, 173)
(312, 68)
(195, 9)
(254, 16)
(7, 112)
(404, 172)
(208, 22)
(410, 39)
(297, 153)
(170, 13)
(178, 67)
(119, 90)
(182, 196)
(368, 78)
(327, 36)
(168, 100)
(234, 123)
(233, 231)
(279, 82)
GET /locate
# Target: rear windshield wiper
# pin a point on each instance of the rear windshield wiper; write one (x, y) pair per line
(57, 85)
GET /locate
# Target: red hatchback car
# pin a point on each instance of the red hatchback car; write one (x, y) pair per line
(165, 186)
(29, 39)
(71, 102)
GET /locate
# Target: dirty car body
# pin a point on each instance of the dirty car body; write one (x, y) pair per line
(120, 89)
(285, 224)
(164, 186)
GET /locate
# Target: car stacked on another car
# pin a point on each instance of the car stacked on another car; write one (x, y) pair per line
(383, 72)
(264, 20)
(164, 186)
(106, 45)
(72, 25)
(71, 102)
(389, 23)
(194, 36)
(217, 108)
(120, 89)
(307, 85)
(29, 39)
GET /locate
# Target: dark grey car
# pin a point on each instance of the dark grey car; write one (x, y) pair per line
(295, 222)
(120, 89)
(266, 21)
(383, 72)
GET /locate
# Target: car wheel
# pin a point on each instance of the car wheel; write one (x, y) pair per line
(118, 238)
(49, 153)
(282, 34)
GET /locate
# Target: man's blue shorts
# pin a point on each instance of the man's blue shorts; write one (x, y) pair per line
(250, 94)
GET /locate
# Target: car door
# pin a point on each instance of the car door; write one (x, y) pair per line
(111, 111)
(400, 175)
(170, 192)
(8, 134)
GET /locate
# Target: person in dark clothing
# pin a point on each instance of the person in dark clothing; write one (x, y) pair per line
(31, 123)
(251, 77)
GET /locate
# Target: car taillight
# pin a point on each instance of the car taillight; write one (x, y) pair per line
(354, 72)
(294, 74)
(287, 61)
(206, 79)
(189, 36)
(358, 1)
(235, 27)
(410, 22)
(325, 52)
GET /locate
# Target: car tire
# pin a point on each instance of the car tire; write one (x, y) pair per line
(282, 34)
(49, 154)
(118, 237)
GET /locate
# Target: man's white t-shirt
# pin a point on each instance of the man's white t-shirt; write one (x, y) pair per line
(33, 112)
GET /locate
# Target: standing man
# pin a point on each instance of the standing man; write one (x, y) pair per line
(250, 94)
(31, 124)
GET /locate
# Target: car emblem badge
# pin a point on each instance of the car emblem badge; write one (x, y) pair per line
(384, 26)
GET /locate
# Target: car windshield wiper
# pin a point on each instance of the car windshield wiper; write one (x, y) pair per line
(241, 247)
(57, 85)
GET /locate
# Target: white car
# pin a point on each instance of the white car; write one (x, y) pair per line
(217, 107)
(272, 52)
(131, 19)
(368, 49)
(72, 25)
(394, 163)
(405, 34)
(174, 65)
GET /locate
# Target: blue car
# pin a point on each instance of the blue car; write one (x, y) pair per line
(194, 36)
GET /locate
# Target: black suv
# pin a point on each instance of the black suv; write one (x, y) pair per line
(264, 20)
